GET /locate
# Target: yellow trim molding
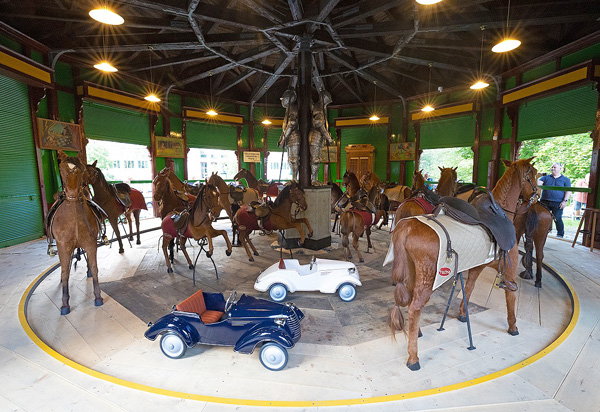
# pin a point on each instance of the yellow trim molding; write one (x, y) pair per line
(121, 98)
(546, 85)
(361, 121)
(20, 65)
(444, 111)
(221, 117)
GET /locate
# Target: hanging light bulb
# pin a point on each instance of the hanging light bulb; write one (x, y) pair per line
(106, 16)
(106, 67)
(266, 121)
(151, 97)
(480, 84)
(374, 117)
(507, 44)
(211, 112)
(429, 107)
(428, 2)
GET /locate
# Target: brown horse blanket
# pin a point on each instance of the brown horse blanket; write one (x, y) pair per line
(168, 227)
(425, 205)
(248, 220)
(137, 200)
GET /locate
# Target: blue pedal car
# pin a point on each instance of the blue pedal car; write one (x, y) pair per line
(206, 318)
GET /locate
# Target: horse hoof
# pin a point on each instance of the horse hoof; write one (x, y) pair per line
(420, 334)
(191, 267)
(89, 273)
(513, 332)
(310, 235)
(65, 310)
(361, 260)
(462, 318)
(255, 253)
(538, 284)
(121, 250)
(413, 366)
(98, 302)
(525, 275)
(251, 259)
(169, 270)
(138, 243)
(208, 254)
(228, 252)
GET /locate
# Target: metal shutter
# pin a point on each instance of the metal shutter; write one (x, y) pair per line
(205, 135)
(103, 122)
(453, 132)
(20, 204)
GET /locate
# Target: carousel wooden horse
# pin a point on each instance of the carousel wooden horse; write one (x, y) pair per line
(415, 251)
(336, 195)
(351, 183)
(369, 180)
(168, 197)
(75, 222)
(194, 223)
(269, 189)
(116, 200)
(357, 220)
(423, 200)
(278, 217)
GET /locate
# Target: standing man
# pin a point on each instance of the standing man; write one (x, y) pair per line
(556, 200)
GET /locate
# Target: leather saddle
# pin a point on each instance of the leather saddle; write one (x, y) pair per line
(363, 204)
(99, 213)
(237, 192)
(465, 188)
(427, 194)
(180, 220)
(261, 209)
(482, 211)
(122, 192)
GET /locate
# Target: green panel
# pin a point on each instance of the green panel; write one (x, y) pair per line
(504, 154)
(485, 155)
(569, 112)
(42, 109)
(66, 107)
(109, 123)
(410, 169)
(273, 135)
(453, 132)
(510, 83)
(580, 56)
(51, 178)
(357, 111)
(11, 44)
(538, 72)
(487, 124)
(506, 126)
(160, 163)
(394, 171)
(179, 168)
(176, 124)
(37, 56)
(374, 135)
(63, 74)
(158, 129)
(175, 103)
(211, 135)
(20, 202)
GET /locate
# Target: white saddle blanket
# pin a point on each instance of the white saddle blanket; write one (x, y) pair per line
(471, 242)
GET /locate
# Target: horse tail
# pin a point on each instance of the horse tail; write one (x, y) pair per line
(346, 225)
(400, 277)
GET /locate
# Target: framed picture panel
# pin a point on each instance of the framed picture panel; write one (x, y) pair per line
(402, 151)
(55, 135)
(169, 147)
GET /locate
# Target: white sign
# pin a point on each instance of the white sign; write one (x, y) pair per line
(252, 157)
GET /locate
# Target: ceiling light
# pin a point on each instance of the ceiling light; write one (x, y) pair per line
(374, 118)
(428, 2)
(506, 45)
(211, 112)
(106, 16)
(152, 98)
(480, 85)
(428, 108)
(266, 122)
(106, 67)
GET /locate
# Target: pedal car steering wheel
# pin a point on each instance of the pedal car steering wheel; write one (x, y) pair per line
(230, 300)
(313, 260)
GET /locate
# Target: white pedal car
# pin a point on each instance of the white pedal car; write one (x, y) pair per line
(324, 275)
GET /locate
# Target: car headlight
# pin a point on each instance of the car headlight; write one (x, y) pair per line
(280, 321)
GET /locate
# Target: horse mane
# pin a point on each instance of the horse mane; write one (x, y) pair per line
(285, 193)
(198, 202)
(503, 185)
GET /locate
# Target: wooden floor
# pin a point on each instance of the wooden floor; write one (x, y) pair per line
(346, 352)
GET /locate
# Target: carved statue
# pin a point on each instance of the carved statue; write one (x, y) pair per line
(319, 134)
(290, 136)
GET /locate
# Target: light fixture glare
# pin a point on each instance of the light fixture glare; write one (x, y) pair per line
(211, 112)
(106, 67)
(428, 108)
(428, 2)
(374, 118)
(506, 45)
(480, 85)
(266, 121)
(152, 98)
(106, 16)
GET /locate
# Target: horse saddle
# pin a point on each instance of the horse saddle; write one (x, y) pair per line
(236, 192)
(180, 220)
(182, 195)
(99, 213)
(260, 209)
(464, 188)
(483, 211)
(122, 191)
(364, 205)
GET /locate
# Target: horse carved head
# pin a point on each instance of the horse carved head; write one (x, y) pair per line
(71, 172)
(297, 196)
(418, 180)
(527, 173)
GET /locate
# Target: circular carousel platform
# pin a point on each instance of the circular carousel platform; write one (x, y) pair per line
(346, 354)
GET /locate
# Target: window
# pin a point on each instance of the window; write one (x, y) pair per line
(116, 164)
(203, 170)
(142, 164)
(128, 164)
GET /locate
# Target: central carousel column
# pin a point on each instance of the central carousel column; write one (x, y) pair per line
(318, 198)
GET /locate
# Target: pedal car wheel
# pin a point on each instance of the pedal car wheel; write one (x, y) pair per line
(172, 345)
(273, 356)
(347, 292)
(277, 292)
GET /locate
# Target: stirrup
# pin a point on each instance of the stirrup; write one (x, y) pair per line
(508, 285)
(51, 251)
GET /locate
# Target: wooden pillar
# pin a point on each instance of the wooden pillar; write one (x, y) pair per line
(476, 146)
(389, 141)
(36, 95)
(493, 165)
(417, 127)
(266, 154)
(304, 112)
(339, 153)
(402, 167)
(513, 114)
(251, 144)
(592, 199)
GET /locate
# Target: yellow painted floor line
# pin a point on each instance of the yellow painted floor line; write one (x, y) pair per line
(250, 402)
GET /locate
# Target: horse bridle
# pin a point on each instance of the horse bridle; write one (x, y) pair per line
(70, 171)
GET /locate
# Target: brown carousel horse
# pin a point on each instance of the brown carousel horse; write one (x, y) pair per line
(232, 197)
(336, 195)
(168, 197)
(448, 181)
(369, 180)
(421, 201)
(351, 183)
(396, 194)
(534, 222)
(269, 189)
(279, 217)
(116, 200)
(194, 223)
(75, 222)
(416, 247)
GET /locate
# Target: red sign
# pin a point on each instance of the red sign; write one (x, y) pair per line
(445, 271)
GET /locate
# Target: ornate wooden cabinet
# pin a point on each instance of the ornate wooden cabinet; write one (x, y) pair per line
(360, 158)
